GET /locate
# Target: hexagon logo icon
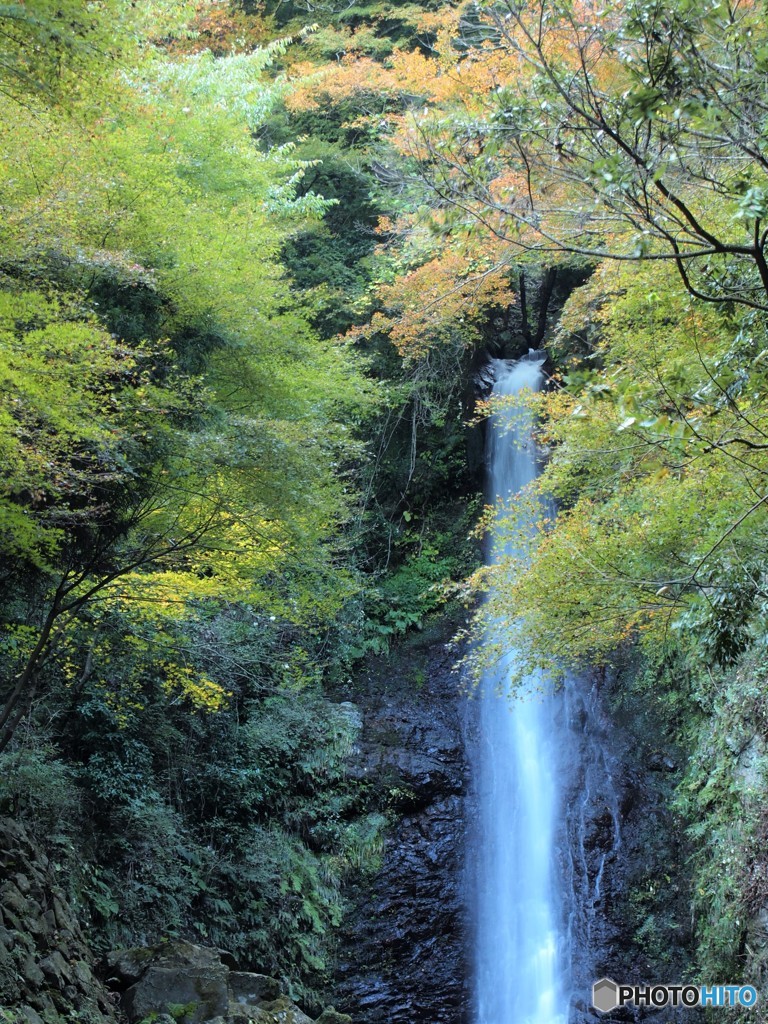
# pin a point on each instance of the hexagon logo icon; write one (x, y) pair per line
(605, 995)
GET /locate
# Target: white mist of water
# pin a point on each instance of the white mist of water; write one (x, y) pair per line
(519, 941)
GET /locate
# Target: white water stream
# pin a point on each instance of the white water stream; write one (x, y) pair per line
(521, 946)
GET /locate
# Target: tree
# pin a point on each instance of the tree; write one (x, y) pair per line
(46, 46)
(578, 135)
(62, 53)
(168, 416)
(621, 131)
(657, 462)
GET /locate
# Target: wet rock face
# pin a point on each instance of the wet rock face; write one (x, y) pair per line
(623, 855)
(406, 952)
(403, 954)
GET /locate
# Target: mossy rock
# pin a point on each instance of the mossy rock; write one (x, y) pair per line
(280, 1011)
(331, 1015)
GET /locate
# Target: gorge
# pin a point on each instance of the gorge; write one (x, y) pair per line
(259, 263)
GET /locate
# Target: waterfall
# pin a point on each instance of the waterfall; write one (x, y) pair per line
(521, 943)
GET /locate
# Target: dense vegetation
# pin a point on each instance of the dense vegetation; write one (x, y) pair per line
(247, 271)
(194, 543)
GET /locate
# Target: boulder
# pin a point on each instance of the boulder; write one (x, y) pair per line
(22, 884)
(56, 970)
(82, 974)
(201, 987)
(332, 1016)
(279, 1011)
(252, 989)
(28, 1015)
(31, 972)
(193, 985)
(128, 965)
(12, 899)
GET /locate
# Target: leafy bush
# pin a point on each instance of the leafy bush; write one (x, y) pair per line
(37, 784)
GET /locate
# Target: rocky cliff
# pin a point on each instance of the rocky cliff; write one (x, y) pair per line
(623, 851)
(46, 965)
(403, 952)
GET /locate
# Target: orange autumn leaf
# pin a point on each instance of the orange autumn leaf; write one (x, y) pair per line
(435, 301)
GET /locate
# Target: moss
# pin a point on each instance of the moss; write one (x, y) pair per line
(331, 1016)
(10, 964)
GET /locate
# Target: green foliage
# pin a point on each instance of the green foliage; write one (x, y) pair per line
(79, 415)
(331, 262)
(177, 444)
(657, 461)
(38, 785)
(721, 795)
(194, 457)
(410, 593)
(364, 843)
(235, 828)
(257, 841)
(371, 26)
(180, 1010)
(46, 47)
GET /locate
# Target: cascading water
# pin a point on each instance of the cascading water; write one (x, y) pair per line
(520, 946)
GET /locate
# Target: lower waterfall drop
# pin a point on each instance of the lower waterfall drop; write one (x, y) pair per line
(520, 943)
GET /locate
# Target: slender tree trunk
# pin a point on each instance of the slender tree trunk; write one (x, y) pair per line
(23, 692)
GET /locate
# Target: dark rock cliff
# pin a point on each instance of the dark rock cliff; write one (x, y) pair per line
(623, 853)
(46, 965)
(403, 952)
(406, 949)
